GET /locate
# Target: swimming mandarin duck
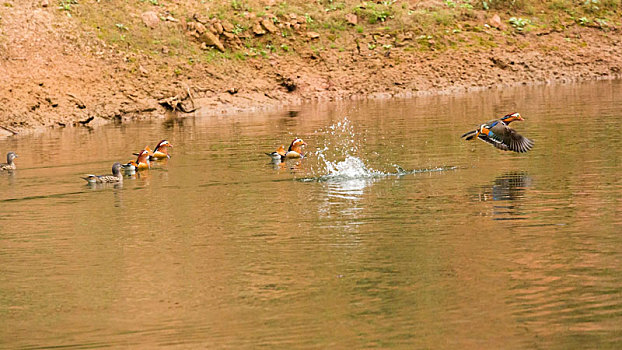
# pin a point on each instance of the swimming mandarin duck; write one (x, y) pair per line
(116, 176)
(142, 162)
(160, 151)
(499, 134)
(9, 165)
(294, 151)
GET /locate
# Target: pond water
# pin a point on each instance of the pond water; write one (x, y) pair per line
(392, 233)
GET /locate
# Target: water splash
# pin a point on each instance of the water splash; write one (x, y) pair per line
(350, 168)
(340, 158)
(341, 161)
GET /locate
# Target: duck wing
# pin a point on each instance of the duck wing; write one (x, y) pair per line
(507, 139)
(499, 144)
(108, 178)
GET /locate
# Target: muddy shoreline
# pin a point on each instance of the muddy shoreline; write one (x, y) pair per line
(50, 78)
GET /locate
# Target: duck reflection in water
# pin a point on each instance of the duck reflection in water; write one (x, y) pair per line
(292, 165)
(509, 187)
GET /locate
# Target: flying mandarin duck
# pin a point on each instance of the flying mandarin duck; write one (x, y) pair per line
(498, 133)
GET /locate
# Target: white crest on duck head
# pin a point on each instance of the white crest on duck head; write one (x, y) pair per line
(298, 141)
(143, 156)
(512, 117)
(162, 143)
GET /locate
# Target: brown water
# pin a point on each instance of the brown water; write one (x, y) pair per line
(392, 233)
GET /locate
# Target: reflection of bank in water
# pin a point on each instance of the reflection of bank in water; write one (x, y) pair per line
(510, 187)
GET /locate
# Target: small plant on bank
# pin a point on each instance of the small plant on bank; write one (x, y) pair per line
(238, 29)
(601, 22)
(374, 13)
(65, 5)
(121, 27)
(519, 23)
(584, 21)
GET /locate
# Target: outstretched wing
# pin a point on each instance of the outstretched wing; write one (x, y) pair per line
(497, 143)
(507, 139)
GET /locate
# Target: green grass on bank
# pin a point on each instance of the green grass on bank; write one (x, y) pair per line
(382, 24)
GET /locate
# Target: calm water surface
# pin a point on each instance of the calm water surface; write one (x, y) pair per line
(392, 233)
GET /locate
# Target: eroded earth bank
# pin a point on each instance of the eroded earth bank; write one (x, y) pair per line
(65, 64)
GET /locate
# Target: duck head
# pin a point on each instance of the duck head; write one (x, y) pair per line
(296, 145)
(162, 145)
(511, 118)
(116, 169)
(10, 156)
(143, 160)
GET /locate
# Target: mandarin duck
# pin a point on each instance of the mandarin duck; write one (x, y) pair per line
(142, 162)
(9, 165)
(294, 151)
(499, 134)
(116, 176)
(160, 151)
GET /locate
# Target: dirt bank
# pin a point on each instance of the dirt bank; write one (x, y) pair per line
(57, 69)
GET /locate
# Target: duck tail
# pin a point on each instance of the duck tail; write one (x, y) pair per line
(469, 135)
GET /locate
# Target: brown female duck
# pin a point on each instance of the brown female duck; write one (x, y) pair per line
(9, 165)
(116, 176)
